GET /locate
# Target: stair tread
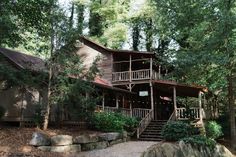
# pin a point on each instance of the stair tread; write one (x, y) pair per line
(153, 131)
(150, 139)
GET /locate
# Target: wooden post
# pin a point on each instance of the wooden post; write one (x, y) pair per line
(151, 69)
(130, 106)
(200, 105)
(174, 99)
(103, 101)
(123, 101)
(117, 103)
(152, 102)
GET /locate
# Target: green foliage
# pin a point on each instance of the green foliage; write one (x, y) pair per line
(222, 121)
(113, 122)
(2, 111)
(213, 130)
(175, 130)
(200, 141)
(38, 115)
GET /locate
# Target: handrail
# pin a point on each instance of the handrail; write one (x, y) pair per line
(172, 116)
(144, 123)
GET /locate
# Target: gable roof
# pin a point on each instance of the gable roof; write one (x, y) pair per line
(102, 48)
(23, 61)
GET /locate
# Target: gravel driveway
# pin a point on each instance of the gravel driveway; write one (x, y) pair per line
(127, 149)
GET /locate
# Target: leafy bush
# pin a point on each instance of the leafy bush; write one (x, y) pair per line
(175, 130)
(213, 130)
(113, 122)
(2, 111)
(38, 116)
(225, 126)
(199, 140)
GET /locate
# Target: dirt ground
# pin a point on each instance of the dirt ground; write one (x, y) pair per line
(14, 141)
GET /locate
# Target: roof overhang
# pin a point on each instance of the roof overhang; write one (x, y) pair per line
(182, 90)
(104, 49)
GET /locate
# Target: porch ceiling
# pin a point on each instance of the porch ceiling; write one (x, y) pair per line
(182, 90)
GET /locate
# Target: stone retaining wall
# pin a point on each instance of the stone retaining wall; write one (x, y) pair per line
(66, 143)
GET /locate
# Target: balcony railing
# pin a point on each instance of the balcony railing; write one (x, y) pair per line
(143, 74)
(184, 114)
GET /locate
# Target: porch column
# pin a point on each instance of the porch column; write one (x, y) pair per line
(123, 101)
(117, 101)
(130, 100)
(159, 72)
(103, 101)
(174, 99)
(152, 102)
(200, 105)
(151, 68)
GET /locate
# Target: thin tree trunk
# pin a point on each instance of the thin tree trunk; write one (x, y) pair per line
(72, 16)
(50, 73)
(136, 36)
(231, 111)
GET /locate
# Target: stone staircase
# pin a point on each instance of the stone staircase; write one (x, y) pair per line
(153, 131)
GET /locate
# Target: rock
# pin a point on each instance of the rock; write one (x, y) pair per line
(61, 140)
(96, 145)
(115, 142)
(61, 149)
(82, 139)
(110, 136)
(124, 134)
(182, 149)
(39, 139)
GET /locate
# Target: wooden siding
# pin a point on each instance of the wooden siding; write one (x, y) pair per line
(89, 55)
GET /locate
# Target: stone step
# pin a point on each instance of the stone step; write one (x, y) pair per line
(151, 133)
(151, 136)
(150, 139)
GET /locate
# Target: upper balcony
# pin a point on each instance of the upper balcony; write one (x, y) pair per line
(136, 75)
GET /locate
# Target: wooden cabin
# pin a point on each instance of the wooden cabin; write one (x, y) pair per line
(20, 103)
(155, 98)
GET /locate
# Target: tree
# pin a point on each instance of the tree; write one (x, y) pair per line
(203, 32)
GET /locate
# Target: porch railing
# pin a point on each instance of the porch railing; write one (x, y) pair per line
(184, 114)
(143, 74)
(144, 123)
(140, 112)
(136, 112)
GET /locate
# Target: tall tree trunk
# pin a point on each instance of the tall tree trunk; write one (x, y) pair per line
(149, 34)
(50, 73)
(80, 18)
(231, 111)
(71, 16)
(136, 36)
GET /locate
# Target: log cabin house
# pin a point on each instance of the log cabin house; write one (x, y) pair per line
(155, 99)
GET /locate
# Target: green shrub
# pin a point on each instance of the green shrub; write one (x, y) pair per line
(175, 130)
(225, 126)
(113, 122)
(38, 116)
(2, 111)
(199, 140)
(213, 130)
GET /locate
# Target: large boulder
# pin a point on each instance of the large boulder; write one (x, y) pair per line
(40, 139)
(96, 145)
(110, 136)
(82, 139)
(61, 149)
(182, 149)
(61, 140)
